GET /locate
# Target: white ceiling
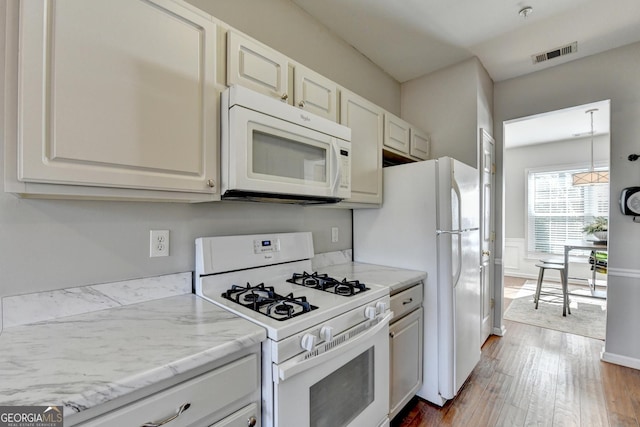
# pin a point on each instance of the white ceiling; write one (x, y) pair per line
(559, 125)
(411, 38)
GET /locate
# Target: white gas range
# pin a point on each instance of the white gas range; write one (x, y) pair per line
(326, 358)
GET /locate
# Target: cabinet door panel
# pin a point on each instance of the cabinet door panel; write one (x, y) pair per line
(406, 360)
(256, 66)
(396, 133)
(316, 93)
(366, 122)
(419, 144)
(117, 94)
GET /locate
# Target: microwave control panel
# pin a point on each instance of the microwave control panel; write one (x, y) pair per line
(346, 169)
(266, 246)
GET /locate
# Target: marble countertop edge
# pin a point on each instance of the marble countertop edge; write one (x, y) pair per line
(104, 393)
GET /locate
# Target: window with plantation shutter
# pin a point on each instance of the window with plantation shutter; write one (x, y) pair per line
(558, 211)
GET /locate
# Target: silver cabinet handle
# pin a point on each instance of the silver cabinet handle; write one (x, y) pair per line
(392, 334)
(251, 422)
(182, 408)
(407, 301)
(301, 104)
(211, 183)
(284, 97)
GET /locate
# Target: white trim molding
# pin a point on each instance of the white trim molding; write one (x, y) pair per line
(497, 261)
(500, 331)
(617, 359)
(624, 272)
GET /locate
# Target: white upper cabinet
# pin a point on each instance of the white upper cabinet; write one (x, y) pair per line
(256, 66)
(366, 122)
(420, 144)
(396, 133)
(117, 94)
(315, 93)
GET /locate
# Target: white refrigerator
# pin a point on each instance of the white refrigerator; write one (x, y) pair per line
(429, 222)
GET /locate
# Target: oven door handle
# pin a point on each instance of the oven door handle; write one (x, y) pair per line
(293, 367)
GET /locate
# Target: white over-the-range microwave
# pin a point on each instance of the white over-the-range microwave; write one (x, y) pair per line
(272, 151)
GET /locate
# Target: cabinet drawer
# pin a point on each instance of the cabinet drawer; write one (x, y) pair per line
(406, 301)
(205, 395)
(241, 418)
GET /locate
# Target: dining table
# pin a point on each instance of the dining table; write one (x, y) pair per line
(588, 245)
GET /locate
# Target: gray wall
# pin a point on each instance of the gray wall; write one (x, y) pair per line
(558, 153)
(610, 75)
(451, 105)
(52, 244)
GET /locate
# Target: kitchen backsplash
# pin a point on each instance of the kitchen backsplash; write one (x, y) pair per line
(43, 306)
(36, 307)
(320, 261)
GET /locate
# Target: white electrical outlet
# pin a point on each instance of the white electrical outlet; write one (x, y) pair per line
(159, 243)
(334, 234)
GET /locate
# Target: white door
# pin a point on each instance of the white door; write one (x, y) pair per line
(338, 384)
(256, 66)
(487, 230)
(366, 121)
(396, 133)
(120, 93)
(315, 93)
(420, 144)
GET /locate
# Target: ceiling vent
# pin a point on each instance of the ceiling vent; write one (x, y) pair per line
(560, 51)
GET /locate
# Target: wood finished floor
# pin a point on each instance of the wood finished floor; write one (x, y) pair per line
(540, 377)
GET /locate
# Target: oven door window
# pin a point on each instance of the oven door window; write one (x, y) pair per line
(340, 397)
(275, 154)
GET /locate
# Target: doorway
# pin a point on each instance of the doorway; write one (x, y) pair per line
(543, 210)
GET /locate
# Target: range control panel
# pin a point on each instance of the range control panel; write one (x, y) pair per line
(266, 246)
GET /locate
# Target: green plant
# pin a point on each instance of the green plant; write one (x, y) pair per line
(600, 223)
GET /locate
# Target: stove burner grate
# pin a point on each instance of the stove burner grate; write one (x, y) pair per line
(263, 299)
(325, 283)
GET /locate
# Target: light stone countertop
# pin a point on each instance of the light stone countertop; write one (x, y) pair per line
(85, 360)
(397, 279)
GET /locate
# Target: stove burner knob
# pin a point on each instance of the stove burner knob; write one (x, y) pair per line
(381, 307)
(326, 333)
(308, 342)
(370, 312)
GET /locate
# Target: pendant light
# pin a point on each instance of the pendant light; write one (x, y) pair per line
(592, 176)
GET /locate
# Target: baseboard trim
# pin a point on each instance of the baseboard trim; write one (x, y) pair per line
(618, 359)
(500, 331)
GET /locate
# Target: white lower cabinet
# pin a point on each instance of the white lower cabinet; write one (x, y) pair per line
(246, 417)
(211, 399)
(405, 347)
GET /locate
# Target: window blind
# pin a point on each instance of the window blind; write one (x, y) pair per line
(558, 211)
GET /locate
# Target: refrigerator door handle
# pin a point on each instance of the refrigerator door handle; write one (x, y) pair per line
(456, 249)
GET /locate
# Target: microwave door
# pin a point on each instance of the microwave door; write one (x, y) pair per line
(270, 155)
